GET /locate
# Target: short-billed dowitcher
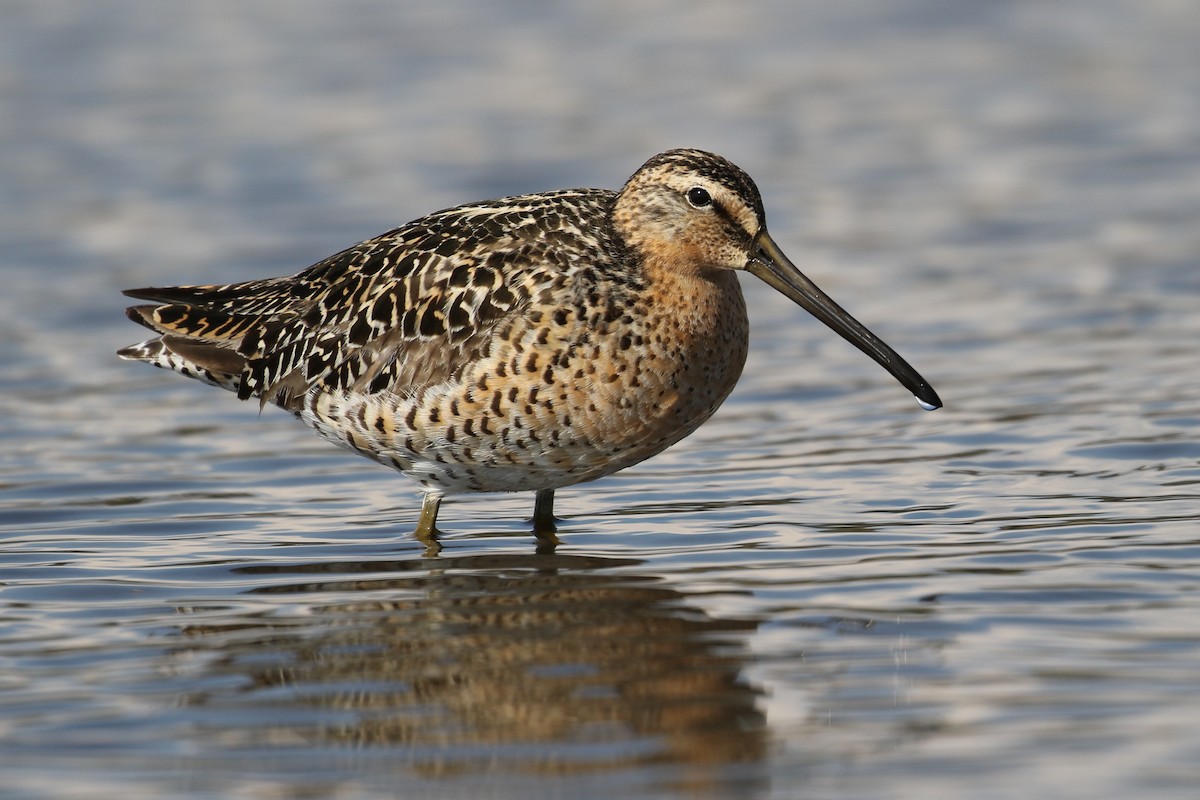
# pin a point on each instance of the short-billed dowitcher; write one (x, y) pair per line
(519, 344)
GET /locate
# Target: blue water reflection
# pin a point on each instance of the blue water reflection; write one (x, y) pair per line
(824, 592)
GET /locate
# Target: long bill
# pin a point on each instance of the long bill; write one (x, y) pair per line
(770, 264)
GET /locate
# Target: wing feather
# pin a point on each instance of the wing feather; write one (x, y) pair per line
(406, 309)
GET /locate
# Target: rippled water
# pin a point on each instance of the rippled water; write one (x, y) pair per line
(823, 593)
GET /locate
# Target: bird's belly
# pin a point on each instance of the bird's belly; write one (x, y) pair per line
(547, 437)
(548, 408)
(521, 433)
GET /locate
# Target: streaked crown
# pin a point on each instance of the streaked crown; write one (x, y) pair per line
(691, 208)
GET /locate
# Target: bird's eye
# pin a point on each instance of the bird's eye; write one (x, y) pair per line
(699, 197)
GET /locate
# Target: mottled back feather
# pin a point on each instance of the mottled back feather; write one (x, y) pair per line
(394, 313)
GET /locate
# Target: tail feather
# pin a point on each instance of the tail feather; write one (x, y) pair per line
(252, 355)
(271, 339)
(194, 342)
(261, 298)
(209, 363)
(195, 323)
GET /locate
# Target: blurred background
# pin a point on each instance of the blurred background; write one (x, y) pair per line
(823, 593)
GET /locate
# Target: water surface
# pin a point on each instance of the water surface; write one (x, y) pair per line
(824, 592)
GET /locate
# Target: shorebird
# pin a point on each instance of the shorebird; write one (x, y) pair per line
(520, 344)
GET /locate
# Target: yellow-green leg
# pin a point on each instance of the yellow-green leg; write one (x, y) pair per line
(544, 526)
(427, 531)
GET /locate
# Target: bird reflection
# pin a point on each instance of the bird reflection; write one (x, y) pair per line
(466, 662)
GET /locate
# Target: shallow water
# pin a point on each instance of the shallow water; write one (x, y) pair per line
(824, 592)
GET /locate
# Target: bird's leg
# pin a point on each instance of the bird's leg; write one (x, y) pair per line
(427, 531)
(544, 526)
(543, 512)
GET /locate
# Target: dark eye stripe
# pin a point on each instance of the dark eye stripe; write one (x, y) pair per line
(699, 197)
(734, 227)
